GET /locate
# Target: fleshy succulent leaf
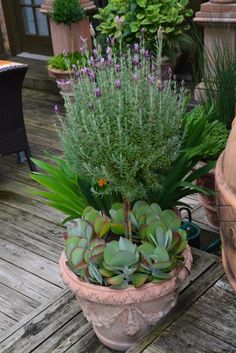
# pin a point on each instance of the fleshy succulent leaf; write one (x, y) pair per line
(138, 279)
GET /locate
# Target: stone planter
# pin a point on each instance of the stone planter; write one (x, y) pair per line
(209, 202)
(120, 317)
(226, 204)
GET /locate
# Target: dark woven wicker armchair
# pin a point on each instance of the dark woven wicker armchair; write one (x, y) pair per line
(13, 137)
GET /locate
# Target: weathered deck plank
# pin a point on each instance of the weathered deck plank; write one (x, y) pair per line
(208, 326)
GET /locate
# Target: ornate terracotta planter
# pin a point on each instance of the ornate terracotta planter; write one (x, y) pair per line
(209, 202)
(120, 317)
(226, 204)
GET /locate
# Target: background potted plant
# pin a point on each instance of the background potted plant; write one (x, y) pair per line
(218, 93)
(69, 26)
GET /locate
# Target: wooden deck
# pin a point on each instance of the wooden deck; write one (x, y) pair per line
(30, 234)
(30, 245)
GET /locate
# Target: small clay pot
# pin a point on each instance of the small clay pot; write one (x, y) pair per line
(120, 317)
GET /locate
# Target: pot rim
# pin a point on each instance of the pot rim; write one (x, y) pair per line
(107, 295)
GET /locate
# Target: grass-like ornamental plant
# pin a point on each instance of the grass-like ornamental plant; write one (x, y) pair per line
(98, 252)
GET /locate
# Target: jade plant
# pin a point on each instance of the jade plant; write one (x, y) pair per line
(99, 250)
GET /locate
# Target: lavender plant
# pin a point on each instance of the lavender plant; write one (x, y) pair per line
(122, 129)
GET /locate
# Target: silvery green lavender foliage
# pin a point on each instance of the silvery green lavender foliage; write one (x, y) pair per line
(123, 123)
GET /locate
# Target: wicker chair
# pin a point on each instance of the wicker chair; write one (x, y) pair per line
(13, 137)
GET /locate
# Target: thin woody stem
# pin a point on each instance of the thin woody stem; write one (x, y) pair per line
(128, 229)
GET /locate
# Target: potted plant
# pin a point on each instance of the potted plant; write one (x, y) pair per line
(69, 26)
(126, 136)
(219, 78)
(218, 135)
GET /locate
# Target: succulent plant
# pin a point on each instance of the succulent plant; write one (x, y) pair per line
(155, 250)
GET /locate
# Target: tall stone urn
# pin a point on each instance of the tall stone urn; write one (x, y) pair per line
(225, 174)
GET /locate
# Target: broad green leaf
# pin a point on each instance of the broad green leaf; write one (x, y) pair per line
(125, 244)
(77, 255)
(146, 249)
(138, 279)
(115, 280)
(161, 254)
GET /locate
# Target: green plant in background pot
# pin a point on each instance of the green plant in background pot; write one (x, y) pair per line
(149, 15)
(69, 26)
(217, 90)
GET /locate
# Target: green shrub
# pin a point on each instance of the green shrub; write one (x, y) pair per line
(67, 11)
(149, 15)
(65, 62)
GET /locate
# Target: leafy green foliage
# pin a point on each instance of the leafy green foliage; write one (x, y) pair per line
(217, 132)
(67, 191)
(159, 243)
(148, 15)
(67, 11)
(62, 62)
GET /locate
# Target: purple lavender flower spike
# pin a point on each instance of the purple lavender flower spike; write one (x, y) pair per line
(102, 61)
(91, 75)
(143, 31)
(143, 51)
(150, 79)
(109, 60)
(128, 46)
(84, 40)
(98, 92)
(108, 40)
(117, 67)
(84, 70)
(117, 84)
(81, 49)
(135, 59)
(135, 77)
(118, 20)
(108, 50)
(95, 52)
(91, 60)
(146, 54)
(136, 47)
(56, 109)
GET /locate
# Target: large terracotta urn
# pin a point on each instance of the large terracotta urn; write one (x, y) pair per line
(120, 317)
(225, 175)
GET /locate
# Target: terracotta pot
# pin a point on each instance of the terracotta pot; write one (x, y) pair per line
(226, 204)
(120, 317)
(58, 74)
(209, 202)
(68, 37)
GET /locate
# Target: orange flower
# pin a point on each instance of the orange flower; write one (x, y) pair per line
(102, 182)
